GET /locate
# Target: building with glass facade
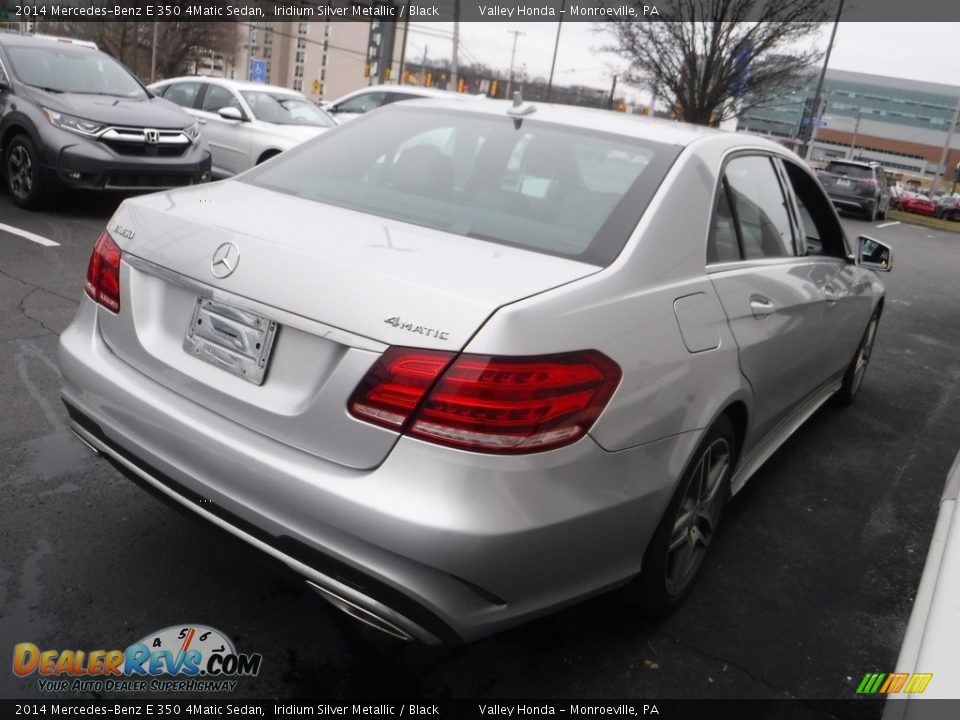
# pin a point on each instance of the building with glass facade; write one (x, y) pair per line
(903, 124)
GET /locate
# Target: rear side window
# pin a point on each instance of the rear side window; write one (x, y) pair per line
(759, 208)
(549, 188)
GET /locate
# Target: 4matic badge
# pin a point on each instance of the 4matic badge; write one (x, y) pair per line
(418, 329)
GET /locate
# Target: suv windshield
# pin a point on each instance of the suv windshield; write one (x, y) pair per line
(560, 190)
(63, 68)
(285, 109)
(855, 171)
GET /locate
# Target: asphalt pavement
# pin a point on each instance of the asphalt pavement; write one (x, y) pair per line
(808, 586)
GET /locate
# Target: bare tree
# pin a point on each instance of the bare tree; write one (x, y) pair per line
(132, 42)
(699, 55)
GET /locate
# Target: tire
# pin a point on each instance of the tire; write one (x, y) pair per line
(871, 214)
(22, 172)
(688, 525)
(883, 215)
(853, 377)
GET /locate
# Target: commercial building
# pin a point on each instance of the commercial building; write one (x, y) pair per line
(902, 124)
(323, 60)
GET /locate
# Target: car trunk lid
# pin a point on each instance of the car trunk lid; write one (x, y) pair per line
(339, 285)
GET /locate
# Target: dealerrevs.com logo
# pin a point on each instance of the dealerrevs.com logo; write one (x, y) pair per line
(180, 658)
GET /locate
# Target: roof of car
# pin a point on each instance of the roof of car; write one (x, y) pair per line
(227, 82)
(13, 39)
(670, 132)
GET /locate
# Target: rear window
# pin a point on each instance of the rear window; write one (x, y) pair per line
(548, 188)
(858, 172)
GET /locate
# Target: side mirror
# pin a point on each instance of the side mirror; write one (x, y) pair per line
(231, 113)
(873, 254)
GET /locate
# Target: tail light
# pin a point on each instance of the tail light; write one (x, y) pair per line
(484, 403)
(103, 273)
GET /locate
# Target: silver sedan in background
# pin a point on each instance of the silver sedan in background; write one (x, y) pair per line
(245, 123)
(461, 364)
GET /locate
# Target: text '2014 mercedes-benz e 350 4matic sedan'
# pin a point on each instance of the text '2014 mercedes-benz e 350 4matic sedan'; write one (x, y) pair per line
(461, 364)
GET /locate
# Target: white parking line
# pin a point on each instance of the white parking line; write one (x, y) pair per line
(39, 239)
(889, 224)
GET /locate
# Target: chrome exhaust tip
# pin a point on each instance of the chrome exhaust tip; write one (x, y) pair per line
(361, 614)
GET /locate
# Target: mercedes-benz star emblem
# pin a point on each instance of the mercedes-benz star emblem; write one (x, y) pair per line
(225, 260)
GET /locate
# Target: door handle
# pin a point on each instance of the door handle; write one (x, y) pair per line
(761, 306)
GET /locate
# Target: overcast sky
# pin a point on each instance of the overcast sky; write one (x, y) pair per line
(920, 51)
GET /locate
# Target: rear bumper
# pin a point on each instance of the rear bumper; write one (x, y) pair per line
(853, 202)
(446, 545)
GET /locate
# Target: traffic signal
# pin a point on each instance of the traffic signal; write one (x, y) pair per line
(366, 70)
(386, 74)
(461, 85)
(494, 86)
(429, 80)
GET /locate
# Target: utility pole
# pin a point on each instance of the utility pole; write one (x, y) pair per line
(513, 55)
(938, 174)
(853, 142)
(613, 89)
(815, 115)
(455, 67)
(403, 48)
(153, 56)
(423, 66)
(556, 46)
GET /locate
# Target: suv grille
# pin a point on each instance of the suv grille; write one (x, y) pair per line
(146, 142)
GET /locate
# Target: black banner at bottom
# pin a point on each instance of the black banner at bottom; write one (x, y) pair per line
(854, 709)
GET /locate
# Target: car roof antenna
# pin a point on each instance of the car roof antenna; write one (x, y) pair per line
(519, 110)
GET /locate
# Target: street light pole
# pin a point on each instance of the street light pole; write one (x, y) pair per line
(556, 46)
(856, 130)
(938, 174)
(815, 115)
(513, 55)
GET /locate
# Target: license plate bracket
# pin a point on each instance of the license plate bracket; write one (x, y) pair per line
(237, 341)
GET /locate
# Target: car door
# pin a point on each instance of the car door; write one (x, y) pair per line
(229, 140)
(771, 301)
(847, 288)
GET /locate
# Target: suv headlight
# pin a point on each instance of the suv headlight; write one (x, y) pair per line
(80, 126)
(193, 132)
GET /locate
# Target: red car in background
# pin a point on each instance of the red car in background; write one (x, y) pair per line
(917, 203)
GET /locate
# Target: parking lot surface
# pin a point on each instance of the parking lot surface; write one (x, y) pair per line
(808, 587)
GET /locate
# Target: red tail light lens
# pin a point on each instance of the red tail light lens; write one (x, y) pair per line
(103, 273)
(488, 404)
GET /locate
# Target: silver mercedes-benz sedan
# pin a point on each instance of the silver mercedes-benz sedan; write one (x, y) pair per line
(459, 365)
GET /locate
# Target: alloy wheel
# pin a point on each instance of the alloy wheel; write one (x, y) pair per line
(697, 516)
(20, 172)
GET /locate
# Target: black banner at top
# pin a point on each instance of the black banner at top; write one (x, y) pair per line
(476, 10)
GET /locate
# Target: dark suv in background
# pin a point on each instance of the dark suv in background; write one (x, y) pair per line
(858, 186)
(72, 117)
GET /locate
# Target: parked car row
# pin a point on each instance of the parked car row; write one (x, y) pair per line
(73, 118)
